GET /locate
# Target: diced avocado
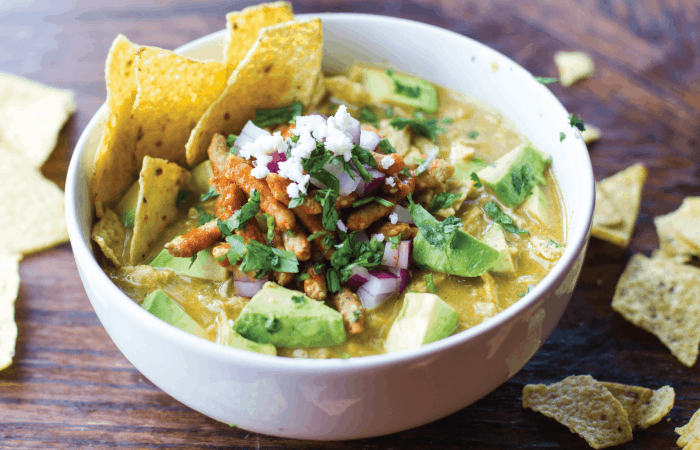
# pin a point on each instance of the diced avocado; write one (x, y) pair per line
(464, 169)
(536, 205)
(204, 266)
(235, 340)
(423, 318)
(514, 174)
(199, 178)
(163, 307)
(496, 238)
(286, 318)
(398, 89)
(126, 208)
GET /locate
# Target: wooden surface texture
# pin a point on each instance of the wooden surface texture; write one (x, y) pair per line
(70, 387)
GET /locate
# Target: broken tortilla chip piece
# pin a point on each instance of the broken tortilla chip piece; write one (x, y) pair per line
(660, 296)
(585, 406)
(172, 94)
(31, 117)
(115, 165)
(33, 214)
(110, 234)
(159, 184)
(573, 66)
(678, 231)
(283, 65)
(689, 432)
(243, 27)
(605, 212)
(622, 192)
(9, 287)
(644, 407)
(590, 134)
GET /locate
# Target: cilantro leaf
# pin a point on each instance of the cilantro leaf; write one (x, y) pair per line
(421, 125)
(364, 156)
(404, 89)
(367, 115)
(225, 227)
(442, 200)
(446, 121)
(333, 280)
(241, 217)
(389, 112)
(366, 200)
(181, 198)
(315, 235)
(473, 135)
(386, 147)
(554, 243)
(238, 249)
(230, 140)
(270, 220)
(297, 201)
(496, 213)
(327, 198)
(128, 218)
(211, 193)
(576, 122)
(203, 217)
(546, 80)
(429, 282)
(432, 154)
(476, 180)
(262, 258)
(286, 114)
(562, 136)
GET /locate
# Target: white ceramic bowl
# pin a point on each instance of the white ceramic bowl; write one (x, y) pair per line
(370, 396)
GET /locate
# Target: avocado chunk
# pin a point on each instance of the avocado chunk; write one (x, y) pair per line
(464, 169)
(163, 307)
(392, 88)
(536, 205)
(423, 318)
(496, 238)
(198, 182)
(204, 266)
(126, 208)
(514, 174)
(235, 340)
(286, 318)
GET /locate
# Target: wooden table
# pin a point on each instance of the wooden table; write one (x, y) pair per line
(70, 387)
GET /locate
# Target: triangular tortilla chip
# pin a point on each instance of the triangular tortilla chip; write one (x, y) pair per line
(115, 161)
(573, 66)
(605, 214)
(110, 234)
(624, 190)
(679, 231)
(173, 93)
(9, 287)
(660, 296)
(585, 406)
(159, 184)
(243, 28)
(644, 407)
(282, 66)
(690, 431)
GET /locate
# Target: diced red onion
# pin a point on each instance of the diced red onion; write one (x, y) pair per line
(353, 129)
(249, 133)
(405, 277)
(381, 275)
(360, 275)
(370, 300)
(404, 214)
(377, 180)
(277, 158)
(391, 255)
(362, 237)
(404, 254)
(347, 184)
(341, 226)
(369, 139)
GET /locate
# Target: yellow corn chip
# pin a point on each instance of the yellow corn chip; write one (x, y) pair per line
(9, 287)
(605, 214)
(624, 191)
(644, 407)
(243, 27)
(159, 184)
(689, 432)
(585, 406)
(678, 231)
(173, 93)
(590, 134)
(660, 296)
(573, 66)
(115, 163)
(33, 216)
(282, 66)
(31, 116)
(110, 234)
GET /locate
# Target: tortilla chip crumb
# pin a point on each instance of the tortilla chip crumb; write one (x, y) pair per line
(9, 287)
(644, 407)
(573, 66)
(110, 234)
(590, 134)
(689, 433)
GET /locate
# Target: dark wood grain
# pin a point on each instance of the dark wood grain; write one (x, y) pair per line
(71, 388)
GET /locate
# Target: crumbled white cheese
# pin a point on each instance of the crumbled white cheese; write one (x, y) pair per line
(260, 150)
(390, 181)
(393, 218)
(379, 237)
(387, 161)
(341, 226)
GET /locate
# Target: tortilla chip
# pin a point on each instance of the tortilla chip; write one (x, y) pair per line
(644, 407)
(173, 93)
(689, 432)
(573, 66)
(31, 117)
(33, 214)
(660, 296)
(585, 406)
(282, 66)
(590, 134)
(624, 190)
(678, 231)
(159, 184)
(9, 287)
(243, 28)
(110, 234)
(115, 163)
(606, 214)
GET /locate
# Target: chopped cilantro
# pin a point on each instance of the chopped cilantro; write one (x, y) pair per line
(364, 156)
(496, 213)
(367, 115)
(432, 154)
(193, 258)
(259, 257)
(389, 112)
(315, 235)
(394, 241)
(546, 80)
(333, 279)
(366, 200)
(286, 114)
(442, 200)
(562, 136)
(529, 288)
(403, 89)
(225, 227)
(211, 193)
(524, 180)
(446, 121)
(421, 125)
(270, 220)
(429, 282)
(298, 201)
(302, 277)
(476, 180)
(386, 147)
(273, 324)
(329, 217)
(554, 243)
(298, 299)
(576, 122)
(355, 316)
(473, 135)
(181, 198)
(238, 249)
(230, 140)
(241, 217)
(345, 356)
(128, 218)
(203, 217)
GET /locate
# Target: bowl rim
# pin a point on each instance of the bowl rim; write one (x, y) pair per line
(577, 235)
